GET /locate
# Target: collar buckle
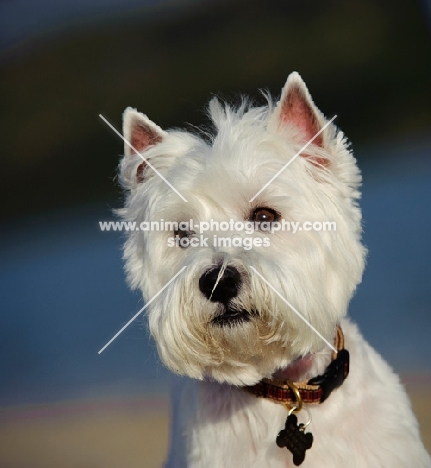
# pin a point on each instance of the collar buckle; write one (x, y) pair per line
(335, 374)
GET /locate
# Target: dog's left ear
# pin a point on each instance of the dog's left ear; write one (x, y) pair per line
(140, 134)
(296, 108)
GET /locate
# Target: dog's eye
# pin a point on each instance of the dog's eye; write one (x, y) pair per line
(181, 233)
(264, 215)
(182, 237)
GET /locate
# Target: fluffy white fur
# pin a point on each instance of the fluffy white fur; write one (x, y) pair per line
(367, 422)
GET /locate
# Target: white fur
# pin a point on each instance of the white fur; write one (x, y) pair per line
(365, 423)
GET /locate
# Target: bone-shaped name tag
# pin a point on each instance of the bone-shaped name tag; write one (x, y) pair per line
(294, 438)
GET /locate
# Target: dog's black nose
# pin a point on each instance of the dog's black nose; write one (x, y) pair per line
(227, 287)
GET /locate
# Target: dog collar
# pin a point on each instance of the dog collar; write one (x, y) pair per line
(313, 391)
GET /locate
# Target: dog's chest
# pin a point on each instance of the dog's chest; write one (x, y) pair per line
(228, 426)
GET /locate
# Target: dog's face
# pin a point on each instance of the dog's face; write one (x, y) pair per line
(230, 315)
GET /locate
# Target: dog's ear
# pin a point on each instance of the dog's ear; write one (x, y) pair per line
(296, 108)
(140, 134)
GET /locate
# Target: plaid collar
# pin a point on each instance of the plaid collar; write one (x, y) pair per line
(313, 391)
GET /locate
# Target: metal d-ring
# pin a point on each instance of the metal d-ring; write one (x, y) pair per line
(298, 399)
(302, 426)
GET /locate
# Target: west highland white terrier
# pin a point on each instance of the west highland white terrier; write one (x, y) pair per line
(277, 376)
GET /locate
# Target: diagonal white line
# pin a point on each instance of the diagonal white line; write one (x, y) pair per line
(143, 308)
(139, 154)
(294, 310)
(294, 157)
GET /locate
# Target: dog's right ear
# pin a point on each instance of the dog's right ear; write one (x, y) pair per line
(140, 134)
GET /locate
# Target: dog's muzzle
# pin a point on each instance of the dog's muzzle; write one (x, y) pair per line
(222, 287)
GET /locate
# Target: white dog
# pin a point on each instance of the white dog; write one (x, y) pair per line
(250, 319)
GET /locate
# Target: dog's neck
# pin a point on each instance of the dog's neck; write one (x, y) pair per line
(297, 370)
(295, 378)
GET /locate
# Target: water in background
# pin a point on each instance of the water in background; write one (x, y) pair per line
(64, 295)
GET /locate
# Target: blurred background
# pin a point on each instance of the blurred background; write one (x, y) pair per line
(62, 285)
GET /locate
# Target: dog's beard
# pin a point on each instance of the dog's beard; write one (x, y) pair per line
(196, 341)
(255, 332)
(232, 316)
(244, 343)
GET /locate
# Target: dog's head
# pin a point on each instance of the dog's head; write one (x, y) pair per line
(232, 313)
